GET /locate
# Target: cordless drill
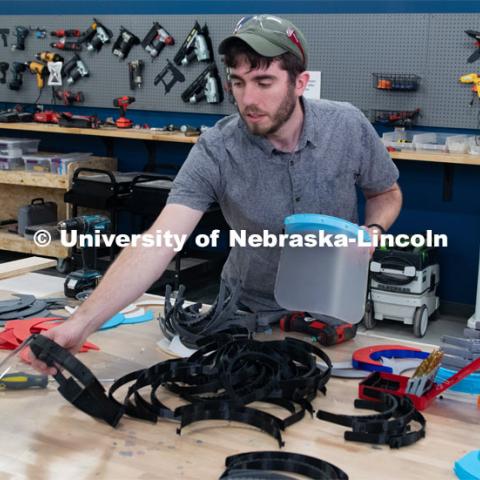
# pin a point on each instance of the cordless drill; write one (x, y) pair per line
(40, 70)
(68, 97)
(3, 71)
(122, 103)
(17, 70)
(87, 277)
(326, 334)
(49, 57)
(21, 33)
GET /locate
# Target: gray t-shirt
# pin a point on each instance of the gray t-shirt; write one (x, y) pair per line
(258, 186)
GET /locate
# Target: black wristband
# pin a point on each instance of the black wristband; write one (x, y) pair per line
(376, 225)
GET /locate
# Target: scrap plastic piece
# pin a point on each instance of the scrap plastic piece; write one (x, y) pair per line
(369, 358)
(468, 467)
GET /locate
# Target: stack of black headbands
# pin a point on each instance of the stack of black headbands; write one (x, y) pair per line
(229, 372)
(191, 325)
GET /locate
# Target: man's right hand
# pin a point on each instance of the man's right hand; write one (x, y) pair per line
(135, 269)
(70, 335)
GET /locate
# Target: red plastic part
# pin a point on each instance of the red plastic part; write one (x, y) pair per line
(363, 356)
(397, 384)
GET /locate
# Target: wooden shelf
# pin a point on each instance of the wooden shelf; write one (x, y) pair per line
(109, 132)
(19, 187)
(459, 159)
(16, 243)
(33, 179)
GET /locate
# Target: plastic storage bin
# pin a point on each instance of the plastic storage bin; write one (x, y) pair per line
(399, 139)
(431, 142)
(11, 162)
(18, 146)
(457, 144)
(38, 162)
(474, 145)
(323, 280)
(60, 163)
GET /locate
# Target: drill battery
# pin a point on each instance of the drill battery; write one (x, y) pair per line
(324, 333)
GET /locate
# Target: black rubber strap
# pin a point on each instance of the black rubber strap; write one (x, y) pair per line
(225, 411)
(387, 407)
(91, 398)
(285, 462)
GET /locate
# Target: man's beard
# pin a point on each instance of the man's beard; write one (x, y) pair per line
(283, 113)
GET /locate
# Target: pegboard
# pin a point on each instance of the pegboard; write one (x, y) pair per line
(346, 48)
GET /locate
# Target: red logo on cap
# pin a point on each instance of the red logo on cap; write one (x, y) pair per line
(294, 39)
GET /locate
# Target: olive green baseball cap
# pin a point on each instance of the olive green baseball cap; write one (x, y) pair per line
(269, 36)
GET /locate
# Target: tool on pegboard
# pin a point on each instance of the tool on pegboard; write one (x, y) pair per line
(4, 66)
(135, 73)
(68, 97)
(207, 86)
(175, 76)
(96, 36)
(4, 32)
(156, 39)
(124, 43)
(474, 79)
(196, 47)
(39, 32)
(17, 69)
(476, 54)
(66, 46)
(74, 69)
(21, 34)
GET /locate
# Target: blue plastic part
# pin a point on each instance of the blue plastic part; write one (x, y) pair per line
(376, 356)
(470, 384)
(468, 467)
(308, 222)
(146, 317)
(113, 322)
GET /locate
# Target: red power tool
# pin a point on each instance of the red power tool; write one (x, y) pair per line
(324, 333)
(122, 103)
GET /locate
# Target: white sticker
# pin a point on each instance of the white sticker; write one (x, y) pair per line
(55, 78)
(313, 87)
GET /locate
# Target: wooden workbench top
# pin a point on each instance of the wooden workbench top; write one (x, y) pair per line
(110, 132)
(455, 158)
(44, 437)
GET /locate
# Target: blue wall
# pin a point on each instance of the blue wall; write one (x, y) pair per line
(421, 182)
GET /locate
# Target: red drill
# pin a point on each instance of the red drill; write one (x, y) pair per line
(122, 103)
(326, 334)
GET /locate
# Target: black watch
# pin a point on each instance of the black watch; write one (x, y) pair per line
(376, 225)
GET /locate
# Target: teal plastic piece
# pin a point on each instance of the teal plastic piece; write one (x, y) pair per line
(121, 319)
(470, 384)
(115, 321)
(468, 467)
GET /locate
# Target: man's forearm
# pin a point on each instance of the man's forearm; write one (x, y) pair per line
(135, 269)
(383, 209)
(129, 276)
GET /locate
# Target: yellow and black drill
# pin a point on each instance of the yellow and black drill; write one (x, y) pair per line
(475, 79)
(49, 57)
(40, 70)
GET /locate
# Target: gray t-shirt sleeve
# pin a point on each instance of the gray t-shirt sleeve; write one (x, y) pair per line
(376, 171)
(197, 184)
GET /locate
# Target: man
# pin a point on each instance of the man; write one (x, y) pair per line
(281, 154)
